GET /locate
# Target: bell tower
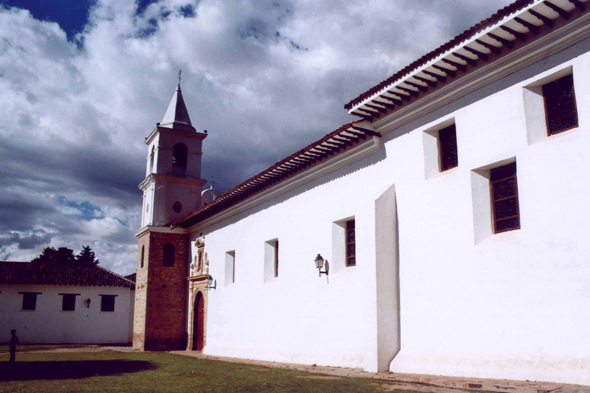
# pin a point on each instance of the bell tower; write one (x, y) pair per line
(171, 190)
(173, 184)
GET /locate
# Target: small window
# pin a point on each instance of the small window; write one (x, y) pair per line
(560, 105)
(29, 301)
(177, 207)
(230, 267)
(350, 243)
(107, 303)
(447, 141)
(504, 190)
(276, 259)
(271, 259)
(168, 255)
(69, 301)
(440, 148)
(142, 255)
(152, 155)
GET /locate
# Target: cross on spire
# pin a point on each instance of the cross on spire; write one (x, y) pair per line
(179, 77)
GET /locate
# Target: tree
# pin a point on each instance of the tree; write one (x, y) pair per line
(87, 256)
(64, 255)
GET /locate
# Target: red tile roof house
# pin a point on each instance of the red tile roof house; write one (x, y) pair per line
(53, 303)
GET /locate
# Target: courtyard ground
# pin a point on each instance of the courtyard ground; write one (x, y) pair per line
(116, 371)
(96, 369)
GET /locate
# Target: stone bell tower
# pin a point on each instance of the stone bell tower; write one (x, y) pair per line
(172, 189)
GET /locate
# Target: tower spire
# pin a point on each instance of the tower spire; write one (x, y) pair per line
(176, 116)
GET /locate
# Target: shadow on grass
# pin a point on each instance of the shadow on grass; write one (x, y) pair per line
(28, 371)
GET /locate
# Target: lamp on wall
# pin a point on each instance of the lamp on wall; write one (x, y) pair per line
(88, 302)
(319, 263)
(211, 281)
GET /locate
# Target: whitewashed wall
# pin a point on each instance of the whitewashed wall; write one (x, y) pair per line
(49, 324)
(513, 305)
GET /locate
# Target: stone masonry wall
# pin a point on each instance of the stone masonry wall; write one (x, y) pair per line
(139, 316)
(165, 315)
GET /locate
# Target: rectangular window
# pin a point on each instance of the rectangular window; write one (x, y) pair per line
(560, 105)
(350, 243)
(276, 259)
(271, 259)
(107, 303)
(447, 142)
(69, 301)
(30, 300)
(230, 267)
(504, 189)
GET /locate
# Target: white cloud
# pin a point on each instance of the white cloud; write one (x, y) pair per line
(264, 77)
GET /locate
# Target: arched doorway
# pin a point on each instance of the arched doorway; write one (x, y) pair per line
(199, 322)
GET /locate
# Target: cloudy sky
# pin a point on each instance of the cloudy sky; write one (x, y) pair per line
(83, 82)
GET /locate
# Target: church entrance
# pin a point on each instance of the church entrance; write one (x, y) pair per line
(198, 322)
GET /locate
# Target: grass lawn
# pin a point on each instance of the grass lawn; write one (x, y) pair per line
(112, 371)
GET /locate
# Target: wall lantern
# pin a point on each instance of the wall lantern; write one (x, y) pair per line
(88, 302)
(319, 263)
(210, 281)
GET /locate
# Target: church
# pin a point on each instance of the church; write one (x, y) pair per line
(444, 230)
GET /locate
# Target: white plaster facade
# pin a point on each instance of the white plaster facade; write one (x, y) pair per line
(49, 324)
(434, 290)
(452, 298)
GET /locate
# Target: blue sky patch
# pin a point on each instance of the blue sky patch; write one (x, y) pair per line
(88, 211)
(71, 15)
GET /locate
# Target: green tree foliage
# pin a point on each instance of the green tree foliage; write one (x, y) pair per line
(87, 256)
(64, 255)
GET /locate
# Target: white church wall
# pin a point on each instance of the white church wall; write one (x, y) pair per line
(49, 324)
(471, 303)
(507, 305)
(298, 316)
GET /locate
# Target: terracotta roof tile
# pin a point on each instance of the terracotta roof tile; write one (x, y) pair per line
(265, 179)
(56, 274)
(467, 34)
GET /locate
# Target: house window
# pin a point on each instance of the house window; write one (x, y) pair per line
(504, 189)
(276, 259)
(152, 155)
(30, 300)
(168, 259)
(107, 303)
(350, 243)
(230, 267)
(560, 105)
(271, 259)
(69, 301)
(142, 254)
(447, 142)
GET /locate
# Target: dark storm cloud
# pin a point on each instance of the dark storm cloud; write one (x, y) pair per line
(265, 78)
(25, 243)
(63, 167)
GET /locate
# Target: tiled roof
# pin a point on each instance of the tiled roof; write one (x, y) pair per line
(340, 140)
(57, 274)
(462, 52)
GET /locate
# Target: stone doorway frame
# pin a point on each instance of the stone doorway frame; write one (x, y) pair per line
(196, 285)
